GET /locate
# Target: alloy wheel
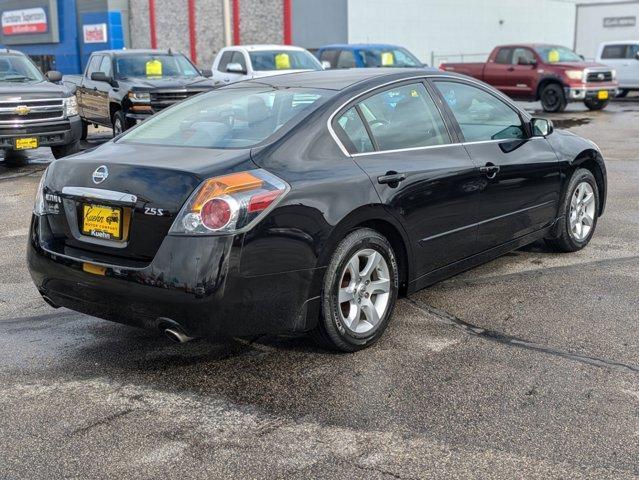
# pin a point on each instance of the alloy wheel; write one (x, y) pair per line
(582, 211)
(364, 291)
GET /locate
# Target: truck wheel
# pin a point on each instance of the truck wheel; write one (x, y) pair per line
(120, 123)
(553, 98)
(596, 104)
(14, 158)
(65, 150)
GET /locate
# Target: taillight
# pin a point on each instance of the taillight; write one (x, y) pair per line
(229, 204)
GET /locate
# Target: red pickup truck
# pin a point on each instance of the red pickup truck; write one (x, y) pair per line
(553, 74)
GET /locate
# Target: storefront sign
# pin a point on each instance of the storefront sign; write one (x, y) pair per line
(611, 22)
(24, 22)
(96, 33)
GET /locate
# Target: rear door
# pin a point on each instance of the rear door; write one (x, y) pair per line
(520, 183)
(521, 79)
(496, 72)
(426, 179)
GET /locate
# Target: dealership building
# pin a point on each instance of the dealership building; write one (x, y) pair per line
(61, 34)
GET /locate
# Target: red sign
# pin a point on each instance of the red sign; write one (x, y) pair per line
(96, 33)
(22, 22)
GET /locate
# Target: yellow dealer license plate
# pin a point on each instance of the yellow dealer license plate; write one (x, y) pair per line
(602, 94)
(100, 221)
(26, 143)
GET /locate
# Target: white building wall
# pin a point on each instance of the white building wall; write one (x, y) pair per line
(590, 25)
(446, 29)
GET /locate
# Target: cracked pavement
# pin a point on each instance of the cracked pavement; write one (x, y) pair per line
(526, 367)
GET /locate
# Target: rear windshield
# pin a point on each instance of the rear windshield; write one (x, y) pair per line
(283, 60)
(154, 66)
(228, 118)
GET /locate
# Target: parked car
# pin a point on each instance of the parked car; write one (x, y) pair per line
(306, 203)
(366, 55)
(243, 62)
(120, 88)
(35, 111)
(553, 74)
(624, 58)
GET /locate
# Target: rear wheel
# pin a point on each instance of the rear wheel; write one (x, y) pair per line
(359, 292)
(553, 98)
(65, 150)
(596, 104)
(580, 209)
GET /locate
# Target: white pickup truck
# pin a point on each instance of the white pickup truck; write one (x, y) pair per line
(623, 56)
(243, 62)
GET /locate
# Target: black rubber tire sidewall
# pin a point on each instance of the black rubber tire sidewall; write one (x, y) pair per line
(596, 104)
(119, 116)
(560, 106)
(623, 93)
(339, 336)
(565, 241)
(65, 150)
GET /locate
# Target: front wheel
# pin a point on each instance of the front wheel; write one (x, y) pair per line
(580, 210)
(596, 104)
(553, 98)
(359, 292)
(120, 123)
(65, 150)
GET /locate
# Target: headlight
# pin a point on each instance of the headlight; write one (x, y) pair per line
(229, 204)
(70, 106)
(140, 96)
(575, 74)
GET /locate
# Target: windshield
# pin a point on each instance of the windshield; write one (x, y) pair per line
(389, 57)
(227, 118)
(16, 68)
(556, 54)
(283, 60)
(154, 66)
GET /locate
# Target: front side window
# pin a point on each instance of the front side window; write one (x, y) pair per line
(557, 54)
(329, 56)
(105, 65)
(632, 52)
(283, 60)
(16, 68)
(224, 61)
(353, 128)
(523, 56)
(94, 65)
(238, 57)
(154, 66)
(404, 117)
(346, 59)
(480, 115)
(228, 118)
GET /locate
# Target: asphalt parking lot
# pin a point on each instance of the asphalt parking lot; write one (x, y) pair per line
(527, 367)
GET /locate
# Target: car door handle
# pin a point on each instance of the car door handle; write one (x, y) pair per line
(391, 179)
(490, 170)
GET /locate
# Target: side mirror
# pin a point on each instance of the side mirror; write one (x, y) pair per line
(541, 127)
(235, 68)
(326, 64)
(207, 73)
(54, 76)
(101, 77)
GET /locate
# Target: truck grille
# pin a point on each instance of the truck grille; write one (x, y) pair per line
(30, 111)
(599, 76)
(160, 100)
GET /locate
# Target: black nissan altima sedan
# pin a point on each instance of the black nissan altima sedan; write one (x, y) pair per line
(306, 203)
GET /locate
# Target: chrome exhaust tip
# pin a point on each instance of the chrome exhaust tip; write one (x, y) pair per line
(176, 335)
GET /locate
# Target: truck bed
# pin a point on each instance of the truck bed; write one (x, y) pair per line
(472, 69)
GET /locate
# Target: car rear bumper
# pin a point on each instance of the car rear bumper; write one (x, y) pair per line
(49, 134)
(193, 282)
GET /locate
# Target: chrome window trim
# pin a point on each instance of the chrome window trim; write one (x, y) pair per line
(505, 99)
(99, 194)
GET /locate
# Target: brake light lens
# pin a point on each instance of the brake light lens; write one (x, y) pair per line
(231, 203)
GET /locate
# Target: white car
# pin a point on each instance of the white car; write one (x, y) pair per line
(243, 62)
(623, 56)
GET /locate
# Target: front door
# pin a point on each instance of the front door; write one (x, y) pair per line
(520, 189)
(422, 175)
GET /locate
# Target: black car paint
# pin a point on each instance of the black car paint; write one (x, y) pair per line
(98, 100)
(269, 279)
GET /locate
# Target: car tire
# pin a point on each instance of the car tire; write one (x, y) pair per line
(579, 207)
(553, 98)
(13, 158)
(120, 123)
(623, 93)
(65, 150)
(596, 104)
(84, 131)
(363, 274)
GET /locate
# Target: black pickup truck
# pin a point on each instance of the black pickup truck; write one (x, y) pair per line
(122, 87)
(34, 111)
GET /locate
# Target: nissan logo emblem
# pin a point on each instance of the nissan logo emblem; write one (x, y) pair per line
(100, 174)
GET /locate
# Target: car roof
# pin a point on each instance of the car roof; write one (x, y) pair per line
(6, 51)
(358, 46)
(265, 47)
(137, 51)
(338, 79)
(619, 42)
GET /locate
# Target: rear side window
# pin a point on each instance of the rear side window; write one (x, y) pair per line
(503, 56)
(225, 60)
(352, 127)
(480, 115)
(404, 117)
(614, 51)
(329, 56)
